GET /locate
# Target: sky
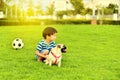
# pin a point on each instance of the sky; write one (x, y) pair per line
(45, 3)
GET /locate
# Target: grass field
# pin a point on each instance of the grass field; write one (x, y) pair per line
(93, 53)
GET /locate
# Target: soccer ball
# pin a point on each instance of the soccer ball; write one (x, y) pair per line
(17, 43)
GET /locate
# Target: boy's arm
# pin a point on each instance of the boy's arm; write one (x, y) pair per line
(39, 47)
(39, 54)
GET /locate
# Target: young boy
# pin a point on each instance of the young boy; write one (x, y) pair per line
(45, 45)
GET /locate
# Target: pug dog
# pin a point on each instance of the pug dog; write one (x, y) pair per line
(55, 55)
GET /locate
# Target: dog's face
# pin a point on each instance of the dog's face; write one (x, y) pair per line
(62, 47)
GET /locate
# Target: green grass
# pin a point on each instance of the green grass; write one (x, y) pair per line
(93, 53)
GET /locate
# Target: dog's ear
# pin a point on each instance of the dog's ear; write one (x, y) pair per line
(58, 46)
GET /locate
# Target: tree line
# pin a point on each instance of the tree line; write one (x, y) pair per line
(19, 9)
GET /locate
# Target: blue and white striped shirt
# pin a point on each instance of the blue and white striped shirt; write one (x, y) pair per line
(42, 45)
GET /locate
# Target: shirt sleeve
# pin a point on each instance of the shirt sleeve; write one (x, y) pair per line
(39, 47)
(54, 44)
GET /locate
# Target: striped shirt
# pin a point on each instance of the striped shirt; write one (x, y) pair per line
(42, 45)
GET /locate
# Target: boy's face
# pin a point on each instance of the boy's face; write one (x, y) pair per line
(52, 37)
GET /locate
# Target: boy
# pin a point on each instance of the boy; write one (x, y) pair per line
(45, 45)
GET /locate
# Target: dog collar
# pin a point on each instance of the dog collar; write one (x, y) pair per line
(56, 57)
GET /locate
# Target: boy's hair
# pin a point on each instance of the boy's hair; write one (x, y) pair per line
(48, 31)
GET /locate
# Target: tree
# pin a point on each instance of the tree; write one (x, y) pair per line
(111, 9)
(12, 8)
(78, 6)
(2, 5)
(50, 9)
(60, 14)
(22, 8)
(89, 11)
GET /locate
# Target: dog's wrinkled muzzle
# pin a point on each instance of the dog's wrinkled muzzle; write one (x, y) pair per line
(64, 49)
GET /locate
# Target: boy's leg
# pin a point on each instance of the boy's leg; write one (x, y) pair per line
(45, 52)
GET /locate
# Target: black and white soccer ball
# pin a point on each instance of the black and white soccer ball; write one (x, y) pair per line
(17, 43)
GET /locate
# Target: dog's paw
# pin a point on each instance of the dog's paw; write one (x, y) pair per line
(59, 64)
(45, 61)
(50, 63)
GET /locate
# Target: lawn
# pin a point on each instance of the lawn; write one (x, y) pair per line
(93, 53)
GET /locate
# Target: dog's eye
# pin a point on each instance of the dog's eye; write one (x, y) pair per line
(58, 46)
